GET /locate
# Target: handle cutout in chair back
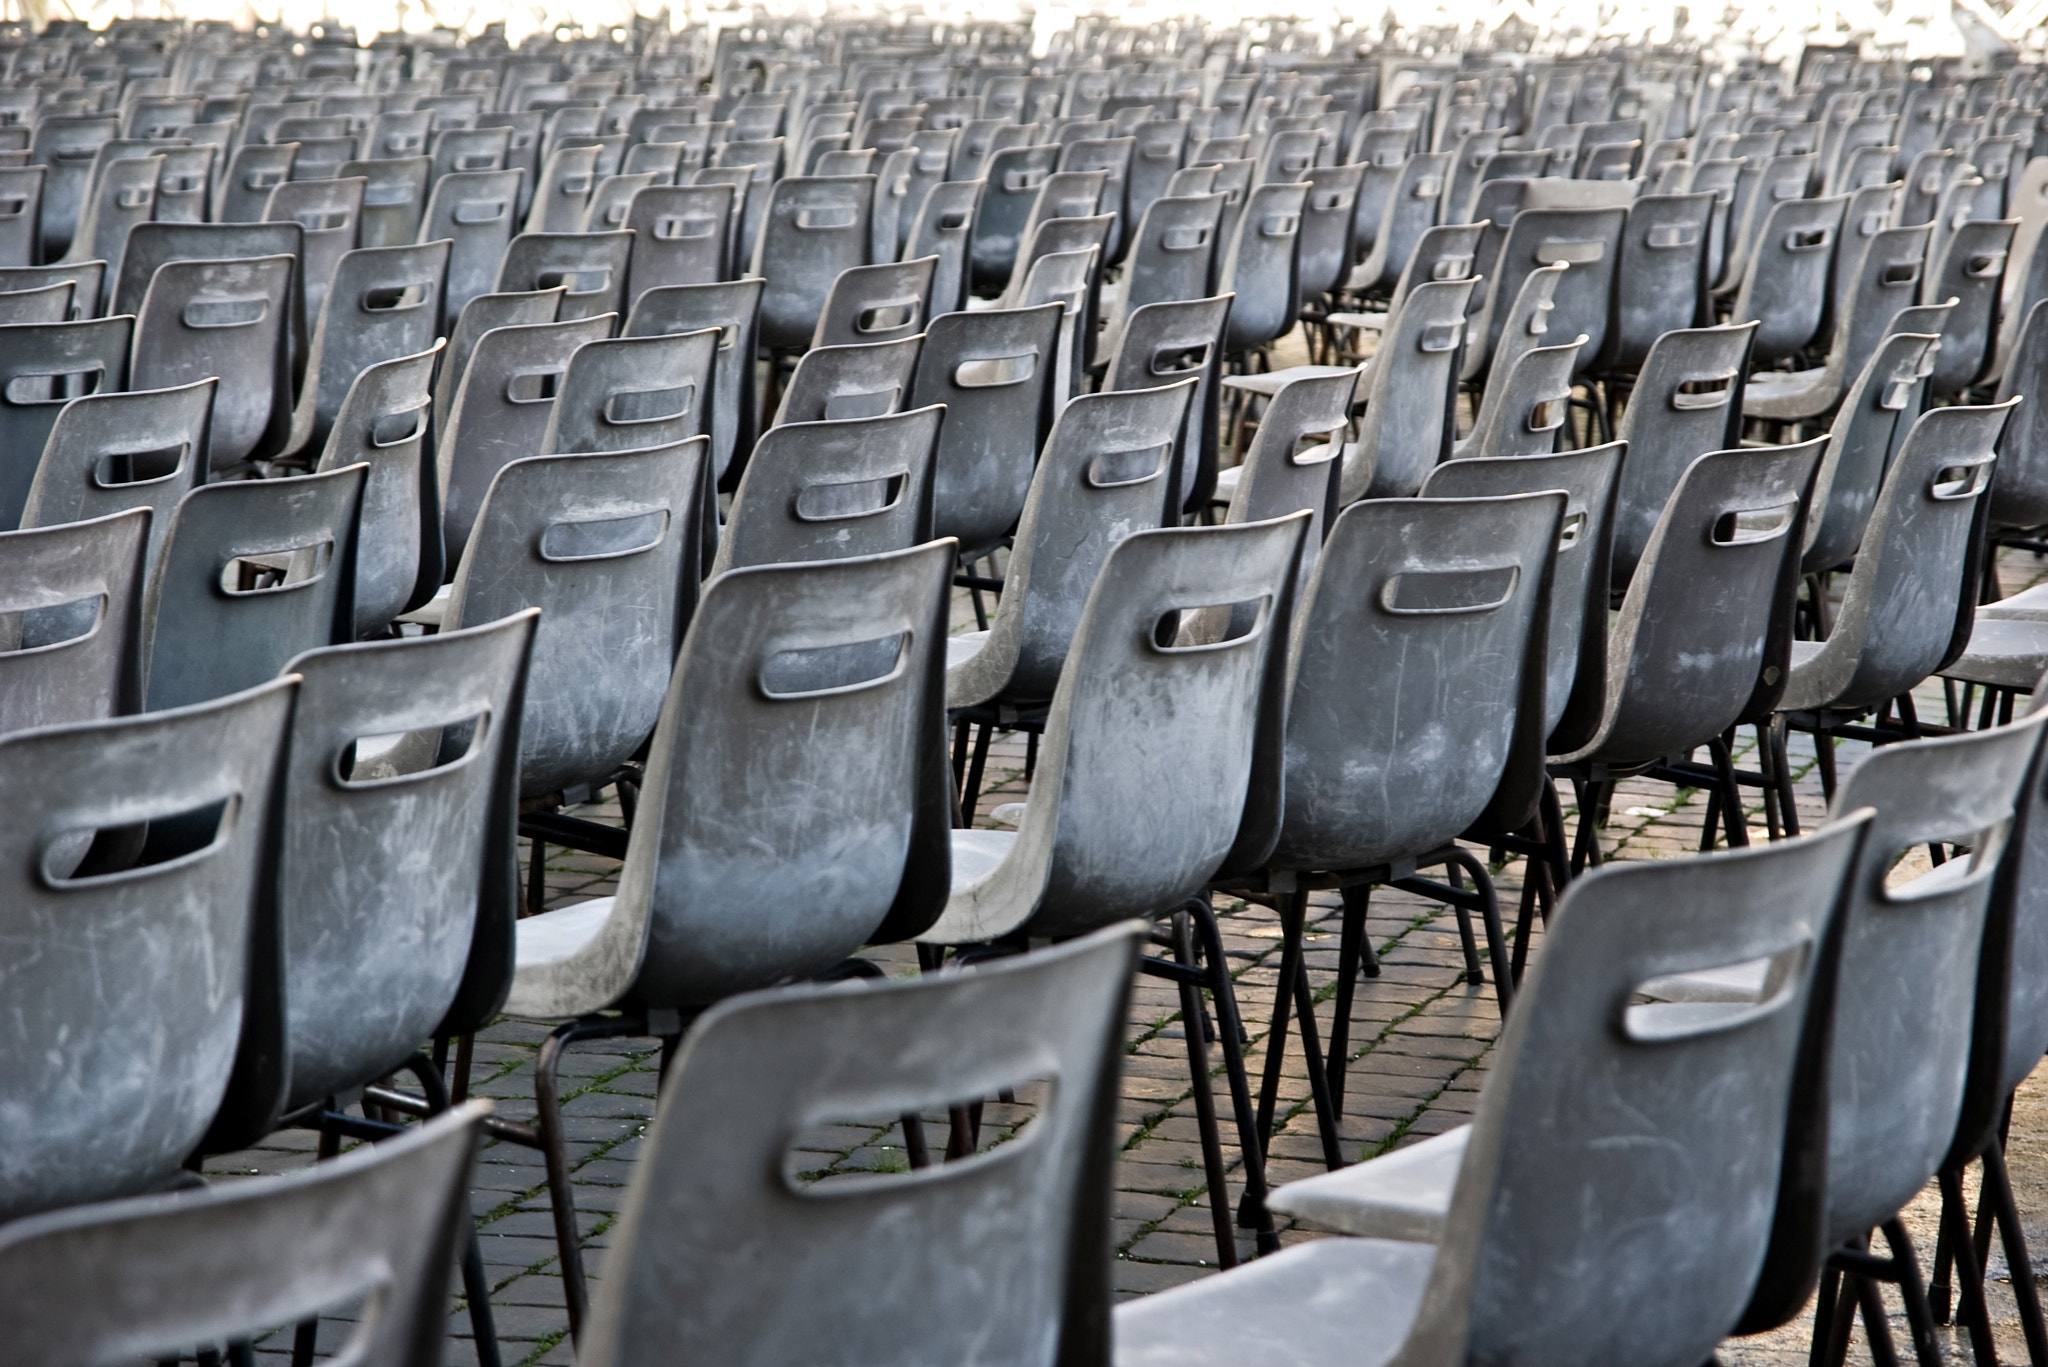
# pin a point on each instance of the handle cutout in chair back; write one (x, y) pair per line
(1961, 480)
(631, 406)
(1178, 360)
(994, 372)
(1713, 999)
(611, 537)
(1899, 273)
(813, 1169)
(471, 211)
(1441, 337)
(407, 757)
(1552, 250)
(680, 227)
(166, 840)
(1450, 591)
(286, 569)
(1750, 526)
(396, 298)
(866, 403)
(150, 465)
(398, 427)
(1183, 239)
(826, 217)
(533, 386)
(845, 500)
(322, 220)
(1133, 465)
(889, 315)
(226, 313)
(51, 626)
(834, 670)
(1811, 240)
(582, 281)
(1671, 236)
(1279, 225)
(1547, 415)
(1699, 392)
(53, 386)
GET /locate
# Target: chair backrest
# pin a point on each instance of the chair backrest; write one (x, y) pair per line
(475, 211)
(400, 560)
(1589, 241)
(1870, 425)
(1325, 252)
(1785, 285)
(1411, 390)
(944, 228)
(72, 614)
(1410, 211)
(1887, 280)
(1010, 187)
(123, 195)
(864, 381)
(562, 192)
(731, 307)
(67, 145)
(1686, 402)
(1525, 408)
(253, 572)
(458, 150)
(399, 819)
(1163, 344)
(813, 228)
(328, 210)
(1445, 252)
(592, 265)
(626, 393)
(1971, 271)
(1605, 1112)
(679, 236)
(830, 489)
(1895, 1078)
(1682, 665)
(21, 194)
(1575, 682)
(1105, 473)
(394, 198)
(604, 546)
(883, 303)
(382, 1223)
(229, 319)
(2019, 489)
(110, 452)
(1452, 594)
(480, 315)
(1292, 462)
(994, 372)
(1172, 252)
(612, 200)
(932, 150)
(758, 1070)
(501, 410)
(1259, 267)
(42, 367)
(1916, 563)
(383, 303)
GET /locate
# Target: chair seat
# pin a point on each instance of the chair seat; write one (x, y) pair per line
(1371, 322)
(2004, 652)
(432, 613)
(552, 974)
(1787, 396)
(1402, 1195)
(976, 853)
(1226, 483)
(964, 647)
(1334, 1300)
(1268, 382)
(1801, 692)
(2028, 605)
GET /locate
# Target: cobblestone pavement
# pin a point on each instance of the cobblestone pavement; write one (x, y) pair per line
(1421, 1038)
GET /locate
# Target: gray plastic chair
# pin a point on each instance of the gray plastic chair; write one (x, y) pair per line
(612, 200)
(470, 151)
(731, 307)
(1325, 252)
(1077, 861)
(382, 423)
(944, 228)
(110, 452)
(395, 870)
(184, 186)
(229, 319)
(1066, 279)
(1286, 468)
(252, 173)
(394, 198)
(1916, 562)
(835, 382)
(1784, 286)
(1887, 280)
(1103, 475)
(1042, 1211)
(1524, 409)
(679, 236)
(1258, 267)
(627, 393)
(1171, 257)
(21, 194)
(1682, 665)
(2019, 487)
(1410, 391)
(993, 371)
(123, 195)
(42, 367)
(606, 546)
(253, 572)
(480, 315)
(933, 148)
(779, 663)
(1411, 209)
(170, 936)
(561, 194)
(1685, 403)
(1589, 241)
(813, 227)
(592, 265)
(1971, 271)
(383, 303)
(1601, 1112)
(1011, 183)
(159, 1273)
(67, 145)
(474, 210)
(1163, 344)
(328, 209)
(834, 489)
(1869, 427)
(73, 599)
(501, 411)
(883, 303)
(151, 245)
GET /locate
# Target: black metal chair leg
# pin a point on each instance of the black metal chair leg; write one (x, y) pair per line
(1926, 1346)
(1205, 1098)
(1955, 1215)
(2019, 1264)
(1731, 793)
(1293, 915)
(1834, 1314)
(1824, 756)
(1940, 1288)
(1496, 938)
(1252, 1213)
(1350, 949)
(547, 1098)
(1554, 832)
(1312, 1059)
(1877, 1329)
(476, 1287)
(1788, 795)
(970, 797)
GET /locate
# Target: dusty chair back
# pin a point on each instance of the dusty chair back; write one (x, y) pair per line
(71, 599)
(760, 1069)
